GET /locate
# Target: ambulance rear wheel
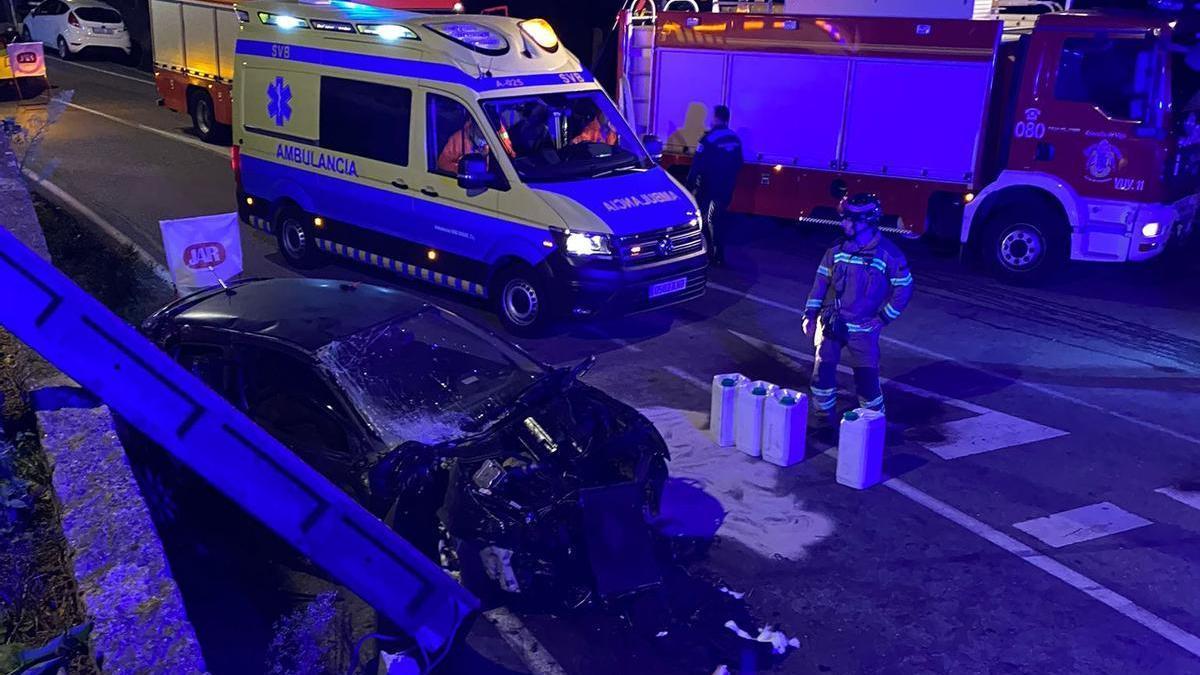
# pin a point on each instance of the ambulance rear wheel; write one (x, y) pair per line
(522, 301)
(297, 244)
(1025, 246)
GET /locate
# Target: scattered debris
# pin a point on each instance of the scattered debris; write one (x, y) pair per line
(721, 670)
(662, 633)
(778, 641)
(730, 592)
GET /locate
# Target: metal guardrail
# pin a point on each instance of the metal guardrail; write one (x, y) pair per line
(73, 331)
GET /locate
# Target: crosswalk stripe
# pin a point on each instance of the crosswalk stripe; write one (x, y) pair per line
(1082, 524)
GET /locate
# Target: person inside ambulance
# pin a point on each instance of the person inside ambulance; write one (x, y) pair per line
(468, 140)
(596, 129)
(531, 133)
(862, 284)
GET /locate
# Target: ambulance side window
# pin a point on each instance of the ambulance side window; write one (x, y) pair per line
(366, 119)
(452, 133)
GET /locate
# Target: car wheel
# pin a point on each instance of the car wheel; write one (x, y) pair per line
(64, 50)
(522, 301)
(1025, 247)
(204, 118)
(297, 244)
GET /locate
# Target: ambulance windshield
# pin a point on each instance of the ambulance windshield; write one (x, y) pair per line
(565, 136)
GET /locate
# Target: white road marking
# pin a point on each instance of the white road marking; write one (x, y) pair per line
(988, 430)
(1082, 524)
(73, 64)
(714, 490)
(532, 653)
(1080, 582)
(993, 430)
(1189, 497)
(99, 221)
(1041, 389)
(688, 377)
(196, 143)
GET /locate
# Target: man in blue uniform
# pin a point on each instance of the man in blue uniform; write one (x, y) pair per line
(862, 284)
(713, 177)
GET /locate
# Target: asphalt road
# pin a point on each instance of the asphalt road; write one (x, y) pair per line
(1008, 405)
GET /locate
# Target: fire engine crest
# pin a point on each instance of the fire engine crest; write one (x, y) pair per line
(1103, 158)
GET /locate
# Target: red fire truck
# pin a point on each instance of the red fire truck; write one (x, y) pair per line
(1067, 135)
(193, 55)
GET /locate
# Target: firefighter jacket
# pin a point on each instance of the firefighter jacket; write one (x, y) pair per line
(860, 284)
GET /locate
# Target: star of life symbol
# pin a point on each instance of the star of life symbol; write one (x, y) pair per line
(279, 101)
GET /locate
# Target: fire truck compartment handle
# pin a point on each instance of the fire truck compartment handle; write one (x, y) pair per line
(428, 191)
(400, 184)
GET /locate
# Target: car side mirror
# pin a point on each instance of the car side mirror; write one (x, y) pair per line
(654, 146)
(473, 172)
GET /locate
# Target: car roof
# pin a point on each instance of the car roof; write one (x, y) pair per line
(89, 3)
(309, 313)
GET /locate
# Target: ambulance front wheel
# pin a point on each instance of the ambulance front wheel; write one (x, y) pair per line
(297, 244)
(522, 301)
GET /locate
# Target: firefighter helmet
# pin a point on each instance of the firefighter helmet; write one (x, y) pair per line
(863, 208)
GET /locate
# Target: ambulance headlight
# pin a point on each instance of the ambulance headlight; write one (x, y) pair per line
(541, 32)
(586, 244)
(1151, 230)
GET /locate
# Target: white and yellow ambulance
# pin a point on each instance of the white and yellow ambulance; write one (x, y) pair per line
(472, 152)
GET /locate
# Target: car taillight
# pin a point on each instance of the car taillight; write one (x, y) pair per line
(73, 20)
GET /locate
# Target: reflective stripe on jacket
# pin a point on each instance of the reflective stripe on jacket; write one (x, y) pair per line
(873, 282)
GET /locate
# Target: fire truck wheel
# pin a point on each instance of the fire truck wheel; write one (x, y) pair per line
(1025, 247)
(297, 243)
(204, 119)
(522, 301)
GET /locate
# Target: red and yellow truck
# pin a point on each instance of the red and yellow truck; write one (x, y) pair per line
(1031, 140)
(193, 55)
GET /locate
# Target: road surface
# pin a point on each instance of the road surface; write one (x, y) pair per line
(1043, 507)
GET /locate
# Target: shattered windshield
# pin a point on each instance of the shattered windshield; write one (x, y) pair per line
(565, 136)
(428, 377)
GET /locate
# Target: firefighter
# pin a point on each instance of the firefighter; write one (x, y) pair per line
(713, 177)
(466, 141)
(862, 284)
(597, 129)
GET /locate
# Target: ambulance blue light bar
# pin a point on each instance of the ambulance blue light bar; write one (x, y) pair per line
(335, 26)
(473, 36)
(388, 31)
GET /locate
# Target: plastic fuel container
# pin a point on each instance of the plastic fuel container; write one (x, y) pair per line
(748, 415)
(785, 422)
(724, 397)
(860, 448)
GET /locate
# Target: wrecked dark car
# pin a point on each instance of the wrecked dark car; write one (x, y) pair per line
(515, 475)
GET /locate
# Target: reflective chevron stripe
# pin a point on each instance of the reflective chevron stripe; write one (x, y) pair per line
(403, 268)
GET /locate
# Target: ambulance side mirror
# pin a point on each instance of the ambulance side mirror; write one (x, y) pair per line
(654, 146)
(473, 172)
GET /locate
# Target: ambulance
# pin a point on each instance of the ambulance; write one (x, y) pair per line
(473, 153)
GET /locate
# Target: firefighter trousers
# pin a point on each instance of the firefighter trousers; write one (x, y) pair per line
(862, 351)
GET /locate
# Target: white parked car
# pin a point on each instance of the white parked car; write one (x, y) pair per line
(71, 26)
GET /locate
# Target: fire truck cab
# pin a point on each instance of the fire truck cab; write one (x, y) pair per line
(1031, 139)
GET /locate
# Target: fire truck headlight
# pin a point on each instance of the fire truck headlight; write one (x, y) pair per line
(1150, 230)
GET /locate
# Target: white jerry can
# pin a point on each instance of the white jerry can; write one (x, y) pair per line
(785, 423)
(860, 448)
(724, 398)
(748, 415)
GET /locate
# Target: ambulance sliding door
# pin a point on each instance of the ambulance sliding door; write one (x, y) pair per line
(369, 124)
